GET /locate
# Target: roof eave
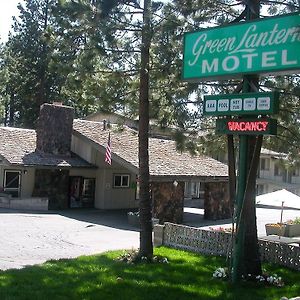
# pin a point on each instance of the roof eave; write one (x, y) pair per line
(171, 178)
(114, 157)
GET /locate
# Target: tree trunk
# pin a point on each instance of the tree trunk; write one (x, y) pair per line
(11, 120)
(146, 245)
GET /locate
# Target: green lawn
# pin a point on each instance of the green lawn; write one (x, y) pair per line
(187, 276)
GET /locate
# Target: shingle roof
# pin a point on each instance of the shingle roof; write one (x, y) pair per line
(164, 159)
(273, 153)
(18, 145)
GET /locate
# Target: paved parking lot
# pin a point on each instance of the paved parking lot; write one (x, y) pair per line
(29, 238)
(33, 238)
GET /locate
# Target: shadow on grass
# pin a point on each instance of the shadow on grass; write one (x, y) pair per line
(186, 276)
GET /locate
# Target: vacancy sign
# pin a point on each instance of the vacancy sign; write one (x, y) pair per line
(261, 126)
(241, 104)
(266, 46)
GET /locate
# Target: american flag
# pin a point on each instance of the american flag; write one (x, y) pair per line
(108, 151)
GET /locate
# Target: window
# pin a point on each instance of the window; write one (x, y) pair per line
(137, 191)
(12, 180)
(265, 164)
(195, 189)
(88, 189)
(295, 172)
(187, 189)
(121, 180)
(277, 171)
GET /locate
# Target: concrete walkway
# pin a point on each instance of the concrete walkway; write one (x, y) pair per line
(29, 238)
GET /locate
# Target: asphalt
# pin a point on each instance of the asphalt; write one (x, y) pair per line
(29, 238)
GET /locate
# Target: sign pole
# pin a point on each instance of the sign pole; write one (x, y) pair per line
(240, 225)
(239, 249)
(244, 50)
(249, 84)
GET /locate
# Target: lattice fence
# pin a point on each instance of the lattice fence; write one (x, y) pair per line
(219, 243)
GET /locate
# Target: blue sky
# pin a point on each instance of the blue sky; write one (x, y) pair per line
(8, 8)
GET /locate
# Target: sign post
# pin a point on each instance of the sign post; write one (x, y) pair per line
(244, 50)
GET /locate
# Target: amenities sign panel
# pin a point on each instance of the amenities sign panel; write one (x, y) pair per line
(241, 104)
(269, 46)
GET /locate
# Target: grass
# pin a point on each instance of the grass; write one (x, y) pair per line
(187, 276)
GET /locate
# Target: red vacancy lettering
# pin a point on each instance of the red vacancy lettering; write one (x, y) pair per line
(247, 126)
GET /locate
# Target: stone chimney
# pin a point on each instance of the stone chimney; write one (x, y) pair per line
(54, 129)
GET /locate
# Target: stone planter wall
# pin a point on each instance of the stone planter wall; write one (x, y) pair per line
(288, 230)
(277, 230)
(292, 230)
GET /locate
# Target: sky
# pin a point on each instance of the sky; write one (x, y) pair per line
(8, 8)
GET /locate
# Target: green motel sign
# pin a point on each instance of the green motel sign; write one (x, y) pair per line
(266, 46)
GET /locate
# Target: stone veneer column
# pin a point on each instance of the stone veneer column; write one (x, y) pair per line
(54, 134)
(168, 201)
(53, 184)
(217, 204)
(54, 129)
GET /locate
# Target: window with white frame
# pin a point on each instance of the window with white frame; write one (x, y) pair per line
(121, 180)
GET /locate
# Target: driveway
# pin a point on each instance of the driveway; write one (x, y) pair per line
(29, 238)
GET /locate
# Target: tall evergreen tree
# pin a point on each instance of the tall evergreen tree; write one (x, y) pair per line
(26, 58)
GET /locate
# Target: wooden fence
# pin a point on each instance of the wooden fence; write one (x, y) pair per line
(219, 243)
